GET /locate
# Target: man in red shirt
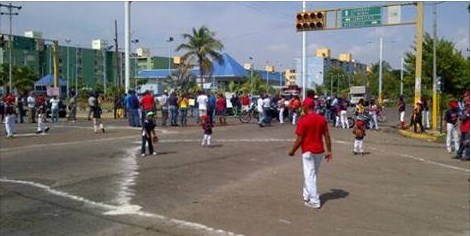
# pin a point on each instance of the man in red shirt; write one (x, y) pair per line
(245, 101)
(147, 104)
(312, 130)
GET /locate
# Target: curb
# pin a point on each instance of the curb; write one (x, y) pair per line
(427, 137)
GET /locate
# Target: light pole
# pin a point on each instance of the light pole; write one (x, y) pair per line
(169, 40)
(133, 56)
(67, 40)
(280, 75)
(251, 75)
(380, 79)
(401, 89)
(10, 13)
(266, 69)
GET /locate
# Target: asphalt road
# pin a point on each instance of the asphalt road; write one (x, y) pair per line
(74, 182)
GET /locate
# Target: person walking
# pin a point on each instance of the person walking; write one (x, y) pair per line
(54, 109)
(22, 103)
(402, 111)
(207, 126)
(373, 112)
(91, 103)
(451, 119)
(42, 128)
(294, 105)
(261, 113)
(221, 109)
(212, 100)
(148, 134)
(310, 132)
(97, 123)
(133, 107)
(281, 109)
(202, 101)
(266, 110)
(31, 102)
(164, 106)
(360, 132)
(343, 113)
(416, 119)
(73, 107)
(425, 112)
(10, 116)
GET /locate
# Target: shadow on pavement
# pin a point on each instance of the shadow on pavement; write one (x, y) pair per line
(332, 195)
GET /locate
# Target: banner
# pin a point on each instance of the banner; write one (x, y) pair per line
(394, 14)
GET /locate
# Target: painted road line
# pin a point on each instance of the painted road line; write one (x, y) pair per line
(413, 158)
(67, 143)
(165, 131)
(123, 209)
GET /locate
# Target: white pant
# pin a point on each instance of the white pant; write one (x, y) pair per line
(282, 110)
(426, 119)
(343, 119)
(401, 116)
(358, 146)
(97, 124)
(374, 120)
(452, 132)
(294, 117)
(337, 121)
(10, 125)
(311, 163)
(41, 125)
(206, 140)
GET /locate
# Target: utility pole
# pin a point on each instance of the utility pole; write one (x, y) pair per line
(401, 89)
(304, 66)
(10, 13)
(434, 92)
(118, 72)
(68, 69)
(380, 84)
(127, 30)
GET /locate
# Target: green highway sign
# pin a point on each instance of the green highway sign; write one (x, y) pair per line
(361, 17)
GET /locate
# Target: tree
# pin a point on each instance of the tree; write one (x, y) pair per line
(452, 67)
(390, 88)
(23, 78)
(181, 80)
(336, 81)
(203, 47)
(256, 85)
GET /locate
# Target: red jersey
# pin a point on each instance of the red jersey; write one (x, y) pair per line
(147, 102)
(10, 99)
(220, 104)
(245, 100)
(312, 127)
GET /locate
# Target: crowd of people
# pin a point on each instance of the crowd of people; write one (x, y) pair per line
(208, 109)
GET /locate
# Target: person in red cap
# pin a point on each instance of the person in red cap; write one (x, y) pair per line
(312, 131)
(360, 132)
(207, 126)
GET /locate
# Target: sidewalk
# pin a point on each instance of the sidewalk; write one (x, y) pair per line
(428, 135)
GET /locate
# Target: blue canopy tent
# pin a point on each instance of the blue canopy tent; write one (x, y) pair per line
(48, 81)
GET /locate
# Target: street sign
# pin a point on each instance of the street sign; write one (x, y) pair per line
(361, 17)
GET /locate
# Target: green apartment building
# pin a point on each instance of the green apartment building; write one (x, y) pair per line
(77, 64)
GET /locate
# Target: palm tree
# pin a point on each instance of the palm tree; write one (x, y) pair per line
(181, 80)
(202, 47)
(24, 78)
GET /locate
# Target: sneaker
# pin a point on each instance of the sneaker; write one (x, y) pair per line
(47, 129)
(202, 144)
(143, 155)
(355, 153)
(448, 149)
(154, 153)
(38, 132)
(312, 205)
(102, 130)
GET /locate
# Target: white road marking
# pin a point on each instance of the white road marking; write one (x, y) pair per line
(124, 209)
(67, 143)
(414, 158)
(165, 131)
(130, 168)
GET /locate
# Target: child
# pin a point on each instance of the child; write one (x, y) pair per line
(97, 117)
(148, 134)
(42, 128)
(207, 128)
(360, 133)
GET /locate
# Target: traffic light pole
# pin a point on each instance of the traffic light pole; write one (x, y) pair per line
(418, 46)
(303, 73)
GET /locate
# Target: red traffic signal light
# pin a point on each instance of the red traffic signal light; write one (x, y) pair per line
(311, 20)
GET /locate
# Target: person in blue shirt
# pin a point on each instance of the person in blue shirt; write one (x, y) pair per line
(211, 107)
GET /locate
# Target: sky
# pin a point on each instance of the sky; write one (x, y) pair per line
(262, 30)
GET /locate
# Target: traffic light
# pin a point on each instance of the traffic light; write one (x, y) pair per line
(311, 20)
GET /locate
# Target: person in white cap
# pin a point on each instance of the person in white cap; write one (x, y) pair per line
(148, 134)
